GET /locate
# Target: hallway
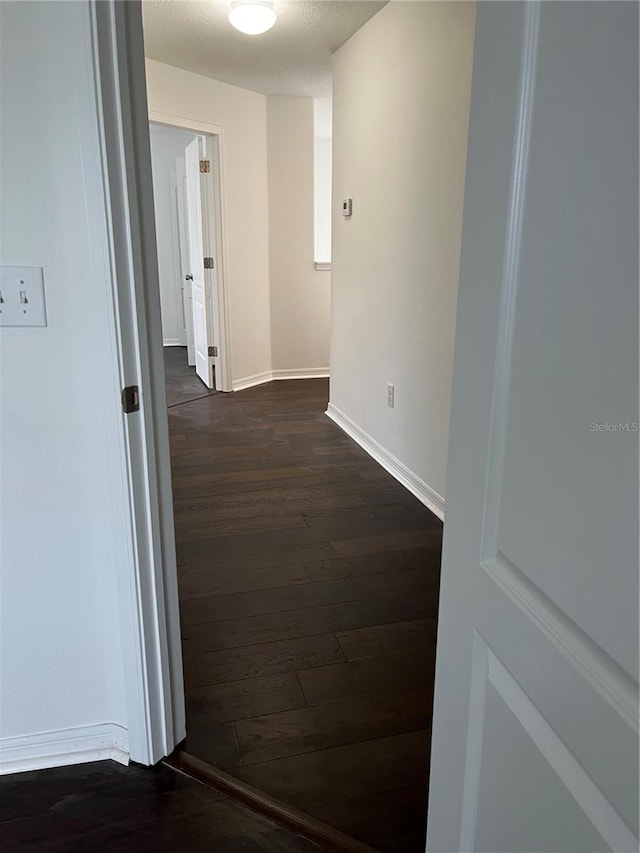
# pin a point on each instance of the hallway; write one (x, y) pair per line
(308, 585)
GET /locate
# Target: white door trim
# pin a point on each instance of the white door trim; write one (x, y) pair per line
(214, 196)
(148, 595)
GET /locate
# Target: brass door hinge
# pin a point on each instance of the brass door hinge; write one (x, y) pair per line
(208, 263)
(205, 166)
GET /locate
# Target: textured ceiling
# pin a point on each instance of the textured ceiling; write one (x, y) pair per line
(293, 58)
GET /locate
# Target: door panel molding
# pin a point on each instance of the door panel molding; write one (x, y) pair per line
(605, 675)
(603, 672)
(488, 669)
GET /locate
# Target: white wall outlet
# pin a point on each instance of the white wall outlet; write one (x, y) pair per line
(391, 395)
(22, 297)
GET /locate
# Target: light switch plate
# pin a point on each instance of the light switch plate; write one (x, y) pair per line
(22, 297)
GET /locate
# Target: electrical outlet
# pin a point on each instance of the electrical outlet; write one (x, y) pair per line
(391, 394)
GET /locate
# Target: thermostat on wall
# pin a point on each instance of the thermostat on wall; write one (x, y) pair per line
(346, 207)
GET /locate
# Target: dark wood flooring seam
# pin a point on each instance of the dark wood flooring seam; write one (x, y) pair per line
(192, 400)
(277, 811)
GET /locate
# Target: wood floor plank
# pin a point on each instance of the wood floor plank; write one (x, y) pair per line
(393, 494)
(414, 638)
(367, 676)
(395, 821)
(387, 542)
(270, 627)
(263, 504)
(256, 469)
(241, 544)
(421, 559)
(321, 481)
(190, 670)
(203, 526)
(268, 658)
(332, 724)
(251, 697)
(344, 772)
(198, 609)
(358, 523)
(213, 741)
(294, 555)
(205, 586)
(414, 582)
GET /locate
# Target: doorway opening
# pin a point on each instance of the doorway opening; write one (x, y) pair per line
(308, 584)
(189, 220)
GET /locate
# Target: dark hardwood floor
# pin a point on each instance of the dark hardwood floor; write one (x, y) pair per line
(182, 384)
(309, 592)
(107, 807)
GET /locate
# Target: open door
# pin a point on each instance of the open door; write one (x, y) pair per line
(201, 279)
(535, 730)
(185, 262)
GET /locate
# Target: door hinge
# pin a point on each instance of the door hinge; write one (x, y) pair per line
(213, 351)
(205, 166)
(208, 263)
(130, 399)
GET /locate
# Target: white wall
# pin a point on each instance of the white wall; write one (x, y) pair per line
(242, 116)
(167, 143)
(401, 93)
(279, 311)
(299, 293)
(322, 111)
(62, 501)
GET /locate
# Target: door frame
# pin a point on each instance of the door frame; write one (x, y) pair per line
(215, 236)
(148, 591)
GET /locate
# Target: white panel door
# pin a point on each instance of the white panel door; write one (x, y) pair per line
(185, 262)
(535, 731)
(201, 291)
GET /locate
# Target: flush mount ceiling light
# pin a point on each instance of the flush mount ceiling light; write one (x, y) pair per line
(252, 17)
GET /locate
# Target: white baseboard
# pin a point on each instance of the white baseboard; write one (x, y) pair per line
(304, 373)
(428, 496)
(274, 375)
(250, 381)
(66, 746)
(172, 342)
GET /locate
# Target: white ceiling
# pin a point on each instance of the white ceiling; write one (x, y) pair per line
(294, 58)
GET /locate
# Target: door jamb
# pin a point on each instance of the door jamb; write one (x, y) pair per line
(148, 596)
(214, 221)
